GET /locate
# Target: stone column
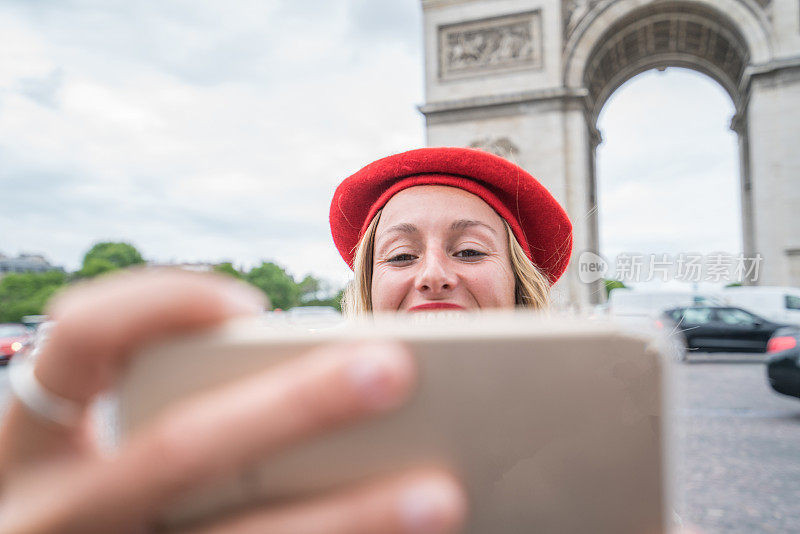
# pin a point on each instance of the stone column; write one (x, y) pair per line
(774, 161)
(740, 126)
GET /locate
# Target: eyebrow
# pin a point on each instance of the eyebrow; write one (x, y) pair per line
(463, 224)
(459, 225)
(403, 228)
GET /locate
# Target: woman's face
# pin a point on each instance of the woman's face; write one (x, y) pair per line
(439, 247)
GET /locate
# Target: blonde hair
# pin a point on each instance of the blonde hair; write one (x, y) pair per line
(531, 286)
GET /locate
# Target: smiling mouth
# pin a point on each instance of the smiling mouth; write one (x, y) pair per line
(436, 306)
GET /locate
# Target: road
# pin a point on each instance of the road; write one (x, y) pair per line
(736, 447)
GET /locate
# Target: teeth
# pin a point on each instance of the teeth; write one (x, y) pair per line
(439, 315)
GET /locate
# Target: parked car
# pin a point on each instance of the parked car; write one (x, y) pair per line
(783, 364)
(641, 311)
(721, 328)
(13, 337)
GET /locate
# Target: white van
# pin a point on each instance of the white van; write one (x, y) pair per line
(779, 304)
(630, 303)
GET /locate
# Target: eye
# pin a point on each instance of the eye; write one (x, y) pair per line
(470, 254)
(401, 258)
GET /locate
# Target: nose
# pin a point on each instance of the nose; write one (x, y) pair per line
(435, 277)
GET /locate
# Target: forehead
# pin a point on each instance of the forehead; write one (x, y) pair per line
(431, 204)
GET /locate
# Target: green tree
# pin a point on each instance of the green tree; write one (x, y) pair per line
(337, 300)
(107, 256)
(308, 288)
(229, 269)
(27, 293)
(612, 285)
(95, 266)
(281, 289)
(334, 301)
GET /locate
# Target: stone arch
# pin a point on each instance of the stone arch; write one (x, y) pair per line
(541, 107)
(617, 40)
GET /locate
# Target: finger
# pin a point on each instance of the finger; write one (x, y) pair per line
(419, 503)
(98, 324)
(222, 432)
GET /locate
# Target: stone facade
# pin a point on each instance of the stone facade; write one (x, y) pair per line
(526, 79)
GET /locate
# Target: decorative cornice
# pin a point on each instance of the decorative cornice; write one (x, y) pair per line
(526, 97)
(432, 4)
(763, 69)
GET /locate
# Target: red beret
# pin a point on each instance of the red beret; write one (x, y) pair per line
(538, 221)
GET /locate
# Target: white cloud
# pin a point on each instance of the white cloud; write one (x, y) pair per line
(207, 131)
(196, 132)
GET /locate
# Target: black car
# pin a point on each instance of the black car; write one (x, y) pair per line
(783, 364)
(722, 328)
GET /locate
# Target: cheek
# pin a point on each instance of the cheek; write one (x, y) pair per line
(494, 286)
(389, 288)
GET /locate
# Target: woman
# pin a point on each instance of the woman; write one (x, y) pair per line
(429, 229)
(434, 226)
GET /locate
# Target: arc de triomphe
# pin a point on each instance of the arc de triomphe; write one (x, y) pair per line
(527, 79)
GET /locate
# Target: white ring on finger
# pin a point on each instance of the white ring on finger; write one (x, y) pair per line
(34, 396)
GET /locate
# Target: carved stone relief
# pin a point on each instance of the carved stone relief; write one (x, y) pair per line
(502, 43)
(499, 146)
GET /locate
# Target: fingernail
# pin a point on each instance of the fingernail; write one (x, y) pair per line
(242, 299)
(379, 373)
(436, 505)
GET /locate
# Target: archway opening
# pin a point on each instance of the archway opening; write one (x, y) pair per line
(668, 177)
(678, 121)
(674, 34)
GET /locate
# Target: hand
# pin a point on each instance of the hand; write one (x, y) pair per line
(56, 479)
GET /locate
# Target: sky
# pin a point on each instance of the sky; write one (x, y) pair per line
(204, 131)
(668, 178)
(668, 168)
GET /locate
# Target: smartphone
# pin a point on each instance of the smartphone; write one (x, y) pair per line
(553, 424)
